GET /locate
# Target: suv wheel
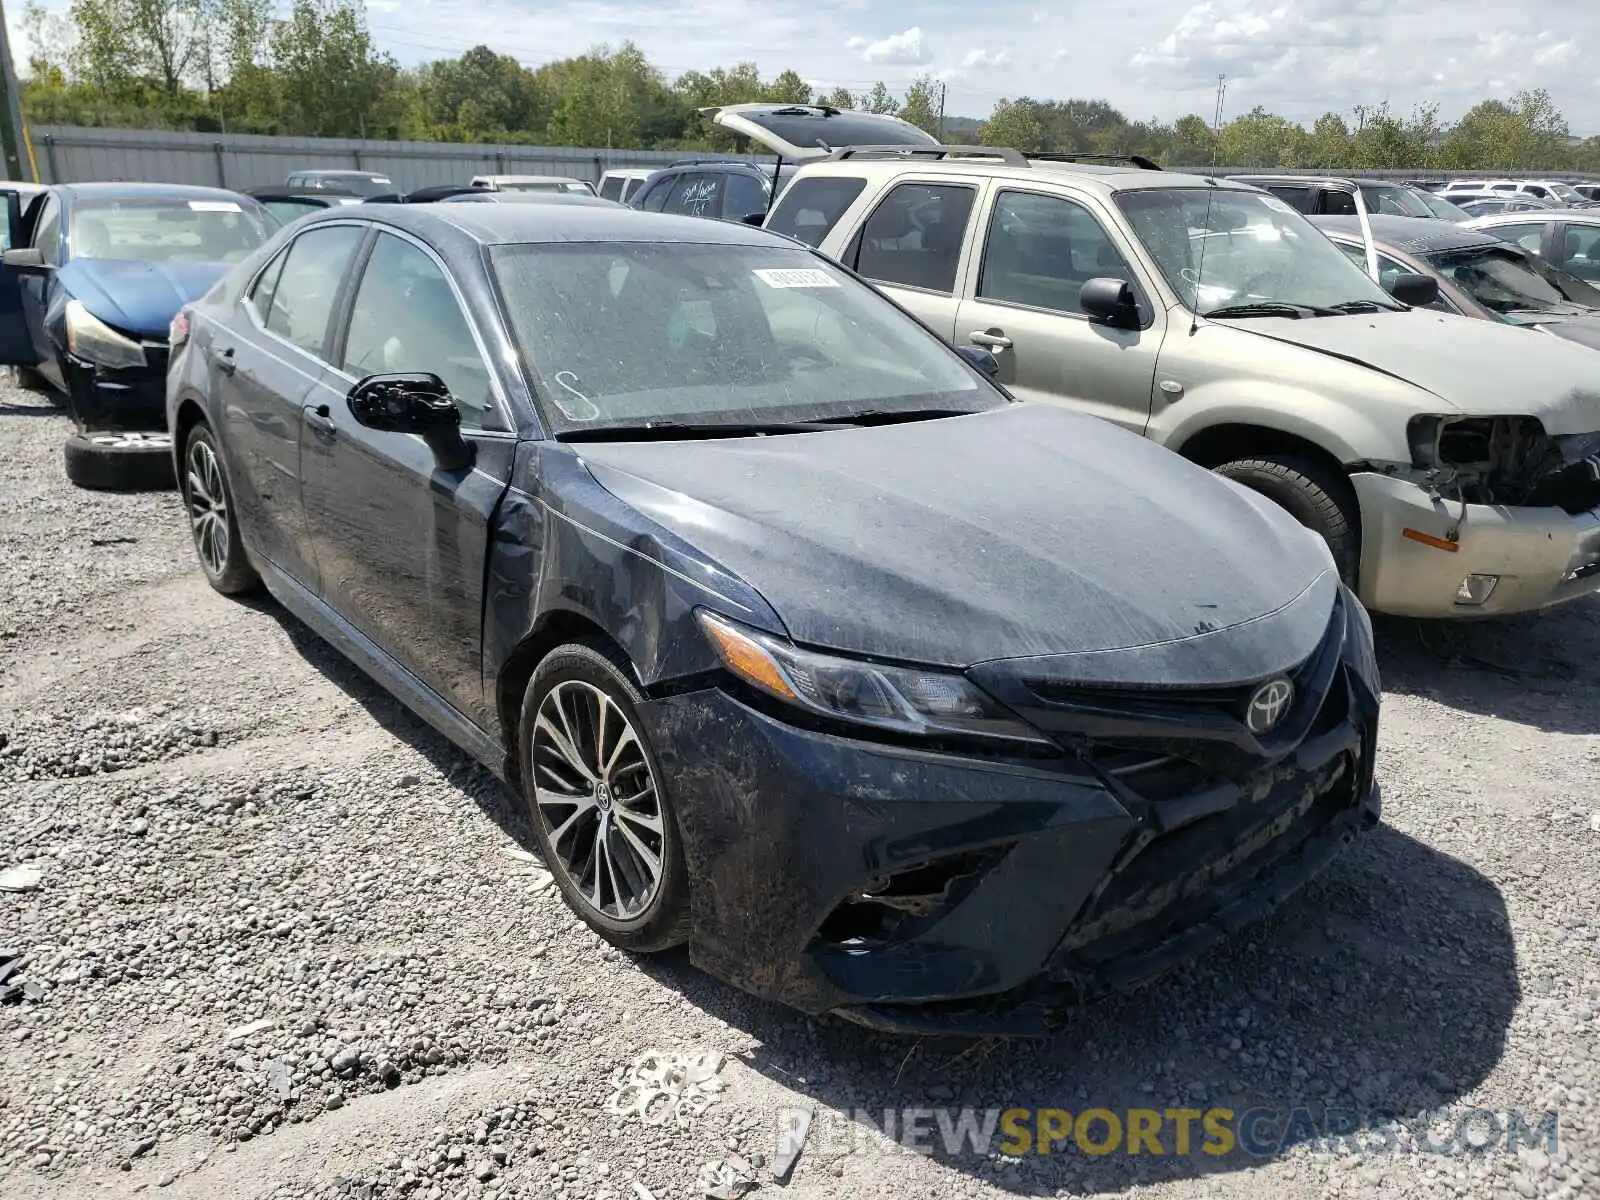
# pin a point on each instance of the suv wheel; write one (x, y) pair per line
(212, 521)
(604, 824)
(1318, 498)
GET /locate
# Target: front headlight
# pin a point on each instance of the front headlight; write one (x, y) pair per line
(92, 339)
(901, 699)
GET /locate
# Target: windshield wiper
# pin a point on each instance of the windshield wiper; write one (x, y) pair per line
(670, 430)
(1270, 308)
(1366, 306)
(896, 416)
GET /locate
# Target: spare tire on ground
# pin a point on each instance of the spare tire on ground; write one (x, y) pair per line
(120, 462)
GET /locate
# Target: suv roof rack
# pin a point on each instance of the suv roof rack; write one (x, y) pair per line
(700, 161)
(1010, 156)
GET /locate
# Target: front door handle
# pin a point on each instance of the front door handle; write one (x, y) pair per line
(994, 340)
(320, 420)
(225, 363)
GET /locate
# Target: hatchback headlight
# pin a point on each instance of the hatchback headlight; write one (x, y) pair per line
(92, 339)
(901, 699)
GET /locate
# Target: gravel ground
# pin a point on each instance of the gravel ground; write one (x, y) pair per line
(285, 941)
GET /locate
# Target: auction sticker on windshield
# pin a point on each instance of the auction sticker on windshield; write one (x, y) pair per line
(213, 206)
(794, 277)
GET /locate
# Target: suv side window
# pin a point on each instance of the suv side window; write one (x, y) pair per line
(406, 318)
(309, 283)
(611, 188)
(1530, 237)
(809, 208)
(696, 194)
(913, 238)
(47, 233)
(655, 199)
(1341, 204)
(1295, 196)
(743, 194)
(1041, 250)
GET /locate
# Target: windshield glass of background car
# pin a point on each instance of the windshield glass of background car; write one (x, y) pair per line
(1393, 201)
(1504, 281)
(162, 229)
(624, 333)
(1256, 249)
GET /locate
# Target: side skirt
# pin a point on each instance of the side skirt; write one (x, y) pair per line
(378, 663)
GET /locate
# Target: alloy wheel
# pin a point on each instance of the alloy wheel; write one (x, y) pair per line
(596, 793)
(208, 507)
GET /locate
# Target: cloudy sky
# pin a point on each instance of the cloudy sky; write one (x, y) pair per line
(1152, 58)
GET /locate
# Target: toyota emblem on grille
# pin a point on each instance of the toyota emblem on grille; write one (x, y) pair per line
(1268, 704)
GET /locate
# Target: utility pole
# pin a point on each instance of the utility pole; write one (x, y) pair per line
(938, 125)
(11, 137)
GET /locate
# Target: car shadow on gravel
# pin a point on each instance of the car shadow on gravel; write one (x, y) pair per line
(1534, 670)
(1384, 989)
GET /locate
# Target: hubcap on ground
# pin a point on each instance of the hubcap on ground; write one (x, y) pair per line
(597, 797)
(208, 507)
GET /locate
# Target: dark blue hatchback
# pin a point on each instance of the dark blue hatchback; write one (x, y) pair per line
(801, 641)
(93, 277)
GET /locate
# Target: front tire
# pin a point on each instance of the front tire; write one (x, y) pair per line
(1318, 498)
(213, 523)
(604, 822)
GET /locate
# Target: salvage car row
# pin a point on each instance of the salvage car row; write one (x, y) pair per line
(789, 578)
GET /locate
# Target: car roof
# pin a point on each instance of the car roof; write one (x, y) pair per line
(1413, 235)
(333, 173)
(178, 191)
(1333, 181)
(1105, 176)
(533, 178)
(1572, 216)
(502, 224)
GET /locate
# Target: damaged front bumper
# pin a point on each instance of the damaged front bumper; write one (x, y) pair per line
(118, 398)
(1423, 556)
(931, 892)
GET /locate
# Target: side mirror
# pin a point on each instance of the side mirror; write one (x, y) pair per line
(1110, 302)
(982, 359)
(755, 218)
(1418, 291)
(418, 404)
(26, 260)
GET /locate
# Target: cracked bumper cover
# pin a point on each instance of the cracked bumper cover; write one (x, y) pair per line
(784, 825)
(1542, 556)
(124, 398)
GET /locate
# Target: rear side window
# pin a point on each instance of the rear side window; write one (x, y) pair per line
(1339, 204)
(809, 208)
(1297, 198)
(611, 189)
(318, 262)
(1529, 237)
(697, 194)
(913, 238)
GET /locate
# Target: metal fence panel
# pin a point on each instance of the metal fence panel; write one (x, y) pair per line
(74, 154)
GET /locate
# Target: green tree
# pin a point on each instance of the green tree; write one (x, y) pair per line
(878, 99)
(1193, 143)
(480, 97)
(1387, 141)
(1330, 142)
(839, 97)
(788, 88)
(333, 80)
(1012, 123)
(923, 101)
(1263, 139)
(121, 41)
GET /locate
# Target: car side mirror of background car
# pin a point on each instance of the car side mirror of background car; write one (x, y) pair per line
(1418, 291)
(25, 259)
(1110, 302)
(982, 359)
(418, 404)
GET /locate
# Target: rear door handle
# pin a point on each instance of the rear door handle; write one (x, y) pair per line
(994, 341)
(225, 362)
(319, 420)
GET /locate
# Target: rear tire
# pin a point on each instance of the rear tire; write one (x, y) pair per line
(606, 793)
(1318, 498)
(213, 524)
(119, 462)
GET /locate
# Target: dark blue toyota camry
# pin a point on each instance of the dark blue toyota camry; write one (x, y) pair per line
(804, 643)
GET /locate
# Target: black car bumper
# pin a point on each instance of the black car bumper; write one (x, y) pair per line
(932, 892)
(120, 398)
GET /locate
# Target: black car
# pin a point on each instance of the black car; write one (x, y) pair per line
(349, 183)
(802, 642)
(1312, 194)
(290, 204)
(723, 189)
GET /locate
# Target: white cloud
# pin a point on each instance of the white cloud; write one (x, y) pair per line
(896, 50)
(983, 60)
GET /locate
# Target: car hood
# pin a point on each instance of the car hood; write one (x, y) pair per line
(1575, 325)
(140, 298)
(1471, 366)
(1026, 531)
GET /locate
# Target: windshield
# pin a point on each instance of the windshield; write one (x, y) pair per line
(361, 185)
(620, 334)
(1394, 200)
(164, 229)
(1219, 247)
(1506, 281)
(547, 185)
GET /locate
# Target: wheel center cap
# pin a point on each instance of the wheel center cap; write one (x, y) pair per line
(602, 796)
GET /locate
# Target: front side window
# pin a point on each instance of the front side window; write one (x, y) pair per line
(744, 195)
(1218, 248)
(47, 235)
(810, 207)
(165, 229)
(309, 283)
(1041, 250)
(718, 333)
(406, 318)
(1580, 249)
(1505, 281)
(655, 200)
(914, 237)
